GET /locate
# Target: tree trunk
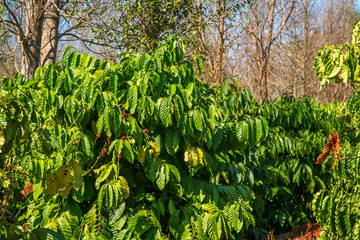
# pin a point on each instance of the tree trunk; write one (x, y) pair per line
(266, 54)
(49, 40)
(219, 73)
(306, 45)
(31, 44)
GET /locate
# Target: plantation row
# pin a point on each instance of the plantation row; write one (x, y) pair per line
(144, 149)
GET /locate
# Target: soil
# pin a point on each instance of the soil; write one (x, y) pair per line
(307, 231)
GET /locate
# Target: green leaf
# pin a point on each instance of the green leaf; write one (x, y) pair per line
(65, 228)
(174, 170)
(198, 122)
(217, 138)
(86, 145)
(65, 58)
(161, 177)
(128, 152)
(171, 207)
(3, 120)
(104, 175)
(132, 98)
(164, 111)
(242, 131)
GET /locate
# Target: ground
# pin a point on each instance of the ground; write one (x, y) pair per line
(307, 231)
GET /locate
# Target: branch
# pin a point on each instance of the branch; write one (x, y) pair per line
(16, 23)
(284, 23)
(86, 40)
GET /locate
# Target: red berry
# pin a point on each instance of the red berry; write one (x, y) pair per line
(119, 156)
(108, 139)
(90, 175)
(97, 134)
(9, 165)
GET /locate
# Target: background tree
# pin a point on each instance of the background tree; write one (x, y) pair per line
(267, 20)
(290, 64)
(219, 25)
(304, 35)
(268, 46)
(35, 24)
(141, 25)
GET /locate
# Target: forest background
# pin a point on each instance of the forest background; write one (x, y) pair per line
(268, 46)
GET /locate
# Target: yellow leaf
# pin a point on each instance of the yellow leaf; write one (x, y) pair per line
(65, 192)
(201, 156)
(191, 156)
(2, 139)
(124, 186)
(64, 176)
(76, 167)
(142, 153)
(51, 225)
(194, 156)
(52, 184)
(155, 148)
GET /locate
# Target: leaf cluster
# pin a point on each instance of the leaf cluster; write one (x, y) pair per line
(144, 149)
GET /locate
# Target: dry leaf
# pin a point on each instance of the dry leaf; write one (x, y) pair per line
(27, 189)
(333, 143)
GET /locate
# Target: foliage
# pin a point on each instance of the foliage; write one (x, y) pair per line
(144, 149)
(135, 150)
(141, 25)
(336, 206)
(340, 64)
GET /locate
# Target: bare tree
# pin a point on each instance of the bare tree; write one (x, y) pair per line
(311, 25)
(264, 33)
(35, 23)
(219, 24)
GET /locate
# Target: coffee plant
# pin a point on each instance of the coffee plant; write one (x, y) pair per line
(336, 207)
(144, 149)
(140, 149)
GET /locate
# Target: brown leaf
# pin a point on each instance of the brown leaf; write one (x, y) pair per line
(336, 145)
(65, 192)
(333, 143)
(340, 77)
(326, 152)
(27, 189)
